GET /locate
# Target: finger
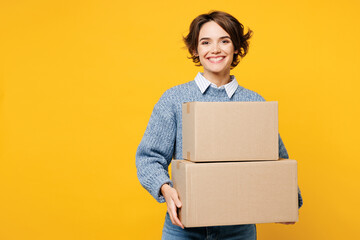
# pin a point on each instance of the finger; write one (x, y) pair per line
(176, 219)
(177, 201)
(171, 217)
(171, 207)
(172, 210)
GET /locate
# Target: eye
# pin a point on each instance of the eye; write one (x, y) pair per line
(204, 42)
(226, 41)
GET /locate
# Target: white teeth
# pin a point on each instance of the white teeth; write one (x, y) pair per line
(216, 59)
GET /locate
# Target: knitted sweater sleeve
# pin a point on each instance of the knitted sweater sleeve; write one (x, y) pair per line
(156, 148)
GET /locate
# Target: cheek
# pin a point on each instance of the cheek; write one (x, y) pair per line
(201, 51)
(230, 49)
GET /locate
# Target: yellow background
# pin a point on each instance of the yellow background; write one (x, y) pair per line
(79, 80)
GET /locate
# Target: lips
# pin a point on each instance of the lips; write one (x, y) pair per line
(217, 59)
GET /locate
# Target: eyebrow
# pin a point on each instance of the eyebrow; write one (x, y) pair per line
(206, 38)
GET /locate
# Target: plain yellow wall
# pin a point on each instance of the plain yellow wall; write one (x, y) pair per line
(79, 80)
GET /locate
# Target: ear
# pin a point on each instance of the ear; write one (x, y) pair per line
(236, 51)
(195, 53)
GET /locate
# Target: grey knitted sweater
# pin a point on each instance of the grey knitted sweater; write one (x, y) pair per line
(162, 140)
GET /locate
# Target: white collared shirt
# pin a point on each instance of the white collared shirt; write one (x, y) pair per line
(203, 84)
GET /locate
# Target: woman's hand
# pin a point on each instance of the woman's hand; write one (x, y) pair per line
(172, 202)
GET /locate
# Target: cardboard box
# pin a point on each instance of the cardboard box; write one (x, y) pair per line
(230, 131)
(231, 193)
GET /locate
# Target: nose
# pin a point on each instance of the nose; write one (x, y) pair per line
(215, 48)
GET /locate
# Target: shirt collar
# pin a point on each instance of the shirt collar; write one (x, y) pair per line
(203, 84)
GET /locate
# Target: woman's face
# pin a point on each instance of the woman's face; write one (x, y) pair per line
(215, 49)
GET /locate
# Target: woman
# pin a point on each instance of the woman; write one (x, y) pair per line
(216, 41)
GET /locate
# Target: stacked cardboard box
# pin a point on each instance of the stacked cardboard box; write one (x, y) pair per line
(231, 172)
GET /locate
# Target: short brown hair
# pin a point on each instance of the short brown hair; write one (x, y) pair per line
(230, 24)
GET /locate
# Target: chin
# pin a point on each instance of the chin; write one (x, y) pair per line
(216, 70)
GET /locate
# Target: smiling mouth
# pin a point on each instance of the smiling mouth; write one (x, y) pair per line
(216, 59)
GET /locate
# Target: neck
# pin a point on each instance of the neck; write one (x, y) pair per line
(219, 79)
